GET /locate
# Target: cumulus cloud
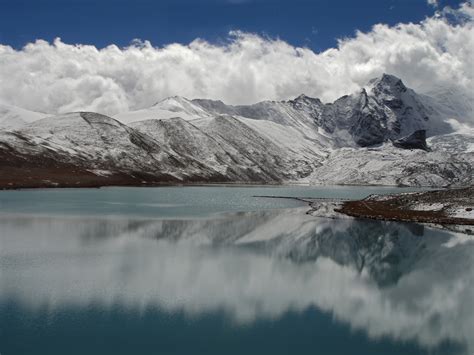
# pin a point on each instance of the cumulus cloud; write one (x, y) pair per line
(433, 3)
(58, 77)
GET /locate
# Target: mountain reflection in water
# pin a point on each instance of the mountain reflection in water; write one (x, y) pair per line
(401, 281)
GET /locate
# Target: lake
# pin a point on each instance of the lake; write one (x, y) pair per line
(215, 270)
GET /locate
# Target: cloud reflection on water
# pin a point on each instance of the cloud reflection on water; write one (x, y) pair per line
(387, 279)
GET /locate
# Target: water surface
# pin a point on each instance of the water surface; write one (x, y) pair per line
(165, 271)
(169, 202)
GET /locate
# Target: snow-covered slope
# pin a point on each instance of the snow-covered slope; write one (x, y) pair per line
(222, 149)
(387, 165)
(363, 138)
(12, 117)
(104, 145)
(451, 103)
(168, 108)
(236, 148)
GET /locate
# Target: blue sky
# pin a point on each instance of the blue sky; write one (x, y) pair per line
(313, 23)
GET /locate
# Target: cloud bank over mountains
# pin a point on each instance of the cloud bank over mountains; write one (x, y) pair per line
(58, 77)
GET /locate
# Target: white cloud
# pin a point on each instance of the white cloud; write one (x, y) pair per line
(433, 3)
(58, 77)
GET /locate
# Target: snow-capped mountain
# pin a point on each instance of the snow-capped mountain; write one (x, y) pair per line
(358, 139)
(386, 109)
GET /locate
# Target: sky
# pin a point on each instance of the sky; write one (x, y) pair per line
(316, 24)
(112, 56)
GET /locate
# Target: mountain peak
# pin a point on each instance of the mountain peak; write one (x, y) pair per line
(181, 105)
(305, 100)
(176, 99)
(301, 97)
(387, 83)
(304, 97)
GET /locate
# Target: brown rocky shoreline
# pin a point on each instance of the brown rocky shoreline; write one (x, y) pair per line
(450, 206)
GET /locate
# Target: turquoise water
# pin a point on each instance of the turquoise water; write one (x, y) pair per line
(213, 270)
(189, 201)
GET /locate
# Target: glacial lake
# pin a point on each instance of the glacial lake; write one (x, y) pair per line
(215, 270)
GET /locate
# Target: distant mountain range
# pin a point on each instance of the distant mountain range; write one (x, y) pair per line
(374, 136)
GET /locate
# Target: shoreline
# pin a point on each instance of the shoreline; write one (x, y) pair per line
(91, 181)
(87, 184)
(448, 207)
(46, 173)
(453, 207)
(445, 207)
